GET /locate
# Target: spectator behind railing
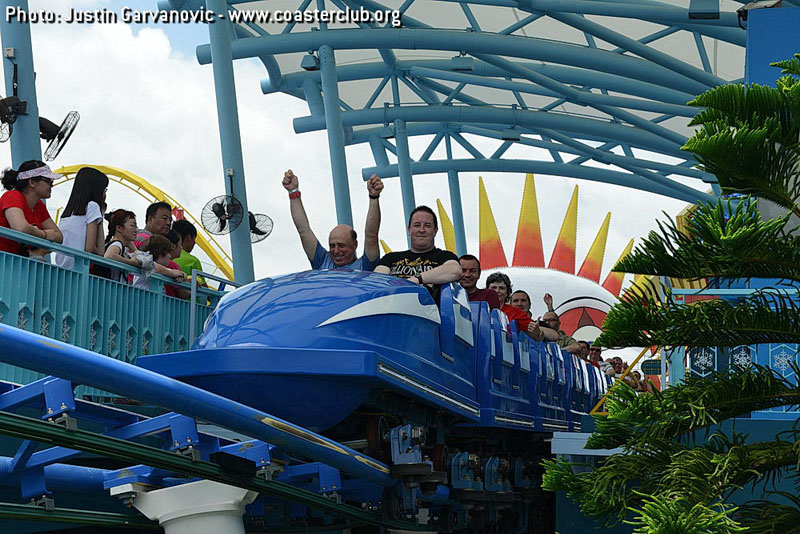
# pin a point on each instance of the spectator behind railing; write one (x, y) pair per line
(22, 209)
(187, 261)
(81, 222)
(175, 291)
(501, 284)
(119, 243)
(160, 248)
(157, 221)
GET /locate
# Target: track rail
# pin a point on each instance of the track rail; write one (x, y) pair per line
(46, 432)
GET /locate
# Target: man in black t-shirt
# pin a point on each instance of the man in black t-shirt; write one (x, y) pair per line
(423, 264)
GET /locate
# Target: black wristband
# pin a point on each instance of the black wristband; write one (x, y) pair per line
(375, 197)
(419, 277)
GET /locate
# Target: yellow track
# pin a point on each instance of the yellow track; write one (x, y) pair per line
(151, 193)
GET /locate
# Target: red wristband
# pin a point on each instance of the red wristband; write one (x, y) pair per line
(294, 195)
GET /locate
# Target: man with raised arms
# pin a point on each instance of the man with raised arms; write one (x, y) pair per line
(423, 264)
(343, 240)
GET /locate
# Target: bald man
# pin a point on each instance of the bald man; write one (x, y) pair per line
(343, 240)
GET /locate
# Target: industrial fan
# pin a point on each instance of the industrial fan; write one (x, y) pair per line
(260, 226)
(10, 109)
(57, 136)
(222, 214)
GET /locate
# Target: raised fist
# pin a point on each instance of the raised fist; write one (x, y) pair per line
(290, 181)
(548, 300)
(374, 185)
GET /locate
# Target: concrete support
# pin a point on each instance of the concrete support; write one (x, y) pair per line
(201, 507)
(25, 143)
(455, 202)
(333, 123)
(220, 35)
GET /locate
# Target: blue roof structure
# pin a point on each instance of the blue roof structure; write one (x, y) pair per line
(595, 90)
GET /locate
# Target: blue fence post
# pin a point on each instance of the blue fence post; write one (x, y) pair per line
(16, 35)
(230, 139)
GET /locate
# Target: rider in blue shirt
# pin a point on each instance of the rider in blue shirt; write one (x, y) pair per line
(342, 241)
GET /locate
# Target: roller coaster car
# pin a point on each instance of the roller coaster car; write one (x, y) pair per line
(313, 347)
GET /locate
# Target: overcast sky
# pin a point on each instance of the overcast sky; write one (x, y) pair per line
(147, 106)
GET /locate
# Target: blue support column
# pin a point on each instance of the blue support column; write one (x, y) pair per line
(403, 159)
(677, 364)
(25, 143)
(230, 138)
(404, 168)
(333, 123)
(455, 202)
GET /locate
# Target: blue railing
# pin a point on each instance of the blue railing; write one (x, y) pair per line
(702, 361)
(92, 312)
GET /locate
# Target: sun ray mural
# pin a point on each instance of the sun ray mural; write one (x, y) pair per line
(579, 298)
(563, 257)
(446, 225)
(528, 250)
(491, 253)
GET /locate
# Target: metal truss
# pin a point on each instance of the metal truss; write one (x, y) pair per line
(591, 89)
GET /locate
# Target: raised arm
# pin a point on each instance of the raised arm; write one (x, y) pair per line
(548, 301)
(373, 224)
(299, 217)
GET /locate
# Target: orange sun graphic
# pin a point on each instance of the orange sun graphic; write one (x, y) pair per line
(580, 300)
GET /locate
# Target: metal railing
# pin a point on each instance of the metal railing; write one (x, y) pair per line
(96, 313)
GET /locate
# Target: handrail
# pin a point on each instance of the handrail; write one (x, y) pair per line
(93, 258)
(595, 410)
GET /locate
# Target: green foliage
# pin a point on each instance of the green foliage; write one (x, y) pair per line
(674, 514)
(726, 239)
(749, 138)
(770, 517)
(642, 320)
(677, 469)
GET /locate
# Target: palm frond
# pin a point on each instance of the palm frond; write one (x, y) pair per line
(672, 513)
(770, 516)
(695, 404)
(726, 239)
(789, 66)
(740, 105)
(749, 138)
(641, 320)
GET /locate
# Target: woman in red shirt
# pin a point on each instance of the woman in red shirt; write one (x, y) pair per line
(501, 284)
(21, 206)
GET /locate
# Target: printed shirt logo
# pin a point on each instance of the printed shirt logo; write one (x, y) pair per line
(406, 267)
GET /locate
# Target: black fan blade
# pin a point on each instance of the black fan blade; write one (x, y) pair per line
(219, 209)
(233, 208)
